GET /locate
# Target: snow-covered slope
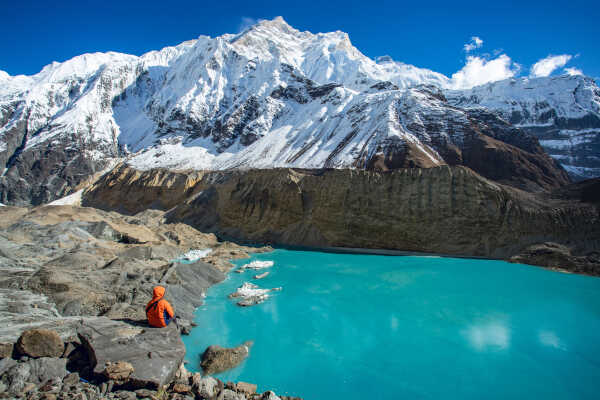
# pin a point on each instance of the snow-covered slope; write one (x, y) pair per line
(269, 96)
(563, 112)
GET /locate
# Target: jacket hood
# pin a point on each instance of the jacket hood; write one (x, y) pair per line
(158, 291)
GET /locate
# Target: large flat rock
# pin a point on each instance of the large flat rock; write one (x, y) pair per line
(155, 353)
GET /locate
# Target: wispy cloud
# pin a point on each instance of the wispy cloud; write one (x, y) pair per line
(475, 43)
(479, 70)
(546, 66)
(573, 71)
(246, 22)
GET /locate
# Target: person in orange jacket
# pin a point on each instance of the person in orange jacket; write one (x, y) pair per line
(158, 311)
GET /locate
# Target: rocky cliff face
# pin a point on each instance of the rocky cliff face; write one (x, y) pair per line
(272, 97)
(449, 210)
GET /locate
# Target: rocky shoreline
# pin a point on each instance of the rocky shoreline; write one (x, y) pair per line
(74, 285)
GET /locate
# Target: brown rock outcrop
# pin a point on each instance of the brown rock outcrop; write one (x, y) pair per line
(40, 343)
(217, 359)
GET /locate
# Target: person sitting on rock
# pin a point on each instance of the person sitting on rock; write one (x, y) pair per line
(158, 311)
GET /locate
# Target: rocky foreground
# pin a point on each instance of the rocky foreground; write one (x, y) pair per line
(74, 283)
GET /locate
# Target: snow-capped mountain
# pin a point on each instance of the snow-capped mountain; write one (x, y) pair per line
(563, 112)
(271, 96)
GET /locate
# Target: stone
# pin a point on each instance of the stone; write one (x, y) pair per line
(145, 393)
(182, 374)
(33, 371)
(46, 368)
(246, 388)
(29, 387)
(154, 353)
(118, 371)
(71, 379)
(6, 364)
(6, 350)
(125, 395)
(228, 394)
(181, 388)
(53, 385)
(205, 387)
(40, 343)
(217, 359)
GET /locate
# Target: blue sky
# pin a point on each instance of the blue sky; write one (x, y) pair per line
(429, 34)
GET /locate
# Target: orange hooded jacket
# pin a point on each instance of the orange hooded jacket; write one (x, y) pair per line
(158, 310)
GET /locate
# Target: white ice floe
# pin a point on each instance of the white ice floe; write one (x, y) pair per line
(251, 294)
(249, 289)
(194, 255)
(256, 265)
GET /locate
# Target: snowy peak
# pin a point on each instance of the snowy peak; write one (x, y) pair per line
(562, 111)
(273, 96)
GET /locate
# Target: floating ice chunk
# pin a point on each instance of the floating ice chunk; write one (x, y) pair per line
(194, 255)
(255, 265)
(263, 275)
(248, 289)
(251, 294)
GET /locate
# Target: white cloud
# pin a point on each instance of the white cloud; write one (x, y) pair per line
(246, 22)
(478, 71)
(545, 66)
(573, 71)
(475, 43)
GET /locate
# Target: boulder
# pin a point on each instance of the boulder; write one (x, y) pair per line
(118, 372)
(218, 359)
(33, 371)
(145, 393)
(6, 364)
(227, 394)
(6, 350)
(182, 374)
(181, 388)
(246, 388)
(40, 343)
(71, 379)
(154, 353)
(205, 387)
(46, 368)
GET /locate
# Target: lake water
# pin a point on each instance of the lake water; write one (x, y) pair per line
(350, 326)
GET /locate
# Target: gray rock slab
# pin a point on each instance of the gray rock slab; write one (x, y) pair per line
(186, 283)
(155, 353)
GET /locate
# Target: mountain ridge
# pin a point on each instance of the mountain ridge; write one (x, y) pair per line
(271, 96)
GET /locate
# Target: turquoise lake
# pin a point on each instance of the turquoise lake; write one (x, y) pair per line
(351, 326)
